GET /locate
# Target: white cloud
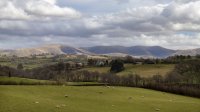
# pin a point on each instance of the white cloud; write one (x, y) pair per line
(170, 17)
(49, 8)
(161, 23)
(92, 23)
(9, 11)
(35, 9)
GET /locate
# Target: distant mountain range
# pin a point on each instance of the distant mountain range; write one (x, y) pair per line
(141, 51)
(136, 51)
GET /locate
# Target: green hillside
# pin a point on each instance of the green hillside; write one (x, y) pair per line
(23, 81)
(142, 70)
(92, 99)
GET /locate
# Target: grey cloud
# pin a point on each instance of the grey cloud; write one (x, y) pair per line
(151, 19)
(147, 25)
(170, 17)
(182, 13)
(123, 1)
(74, 28)
(184, 1)
(169, 41)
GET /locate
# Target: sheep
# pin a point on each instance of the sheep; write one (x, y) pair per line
(157, 109)
(63, 105)
(57, 106)
(130, 98)
(108, 86)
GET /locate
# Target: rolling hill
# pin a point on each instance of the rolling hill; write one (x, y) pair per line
(46, 49)
(92, 99)
(136, 51)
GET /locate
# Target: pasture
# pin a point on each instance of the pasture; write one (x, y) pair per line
(4, 80)
(92, 99)
(145, 70)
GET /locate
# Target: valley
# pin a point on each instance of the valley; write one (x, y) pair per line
(99, 55)
(62, 78)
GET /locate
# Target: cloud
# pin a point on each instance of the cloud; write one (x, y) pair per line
(9, 11)
(143, 20)
(48, 8)
(35, 9)
(181, 13)
(184, 1)
(122, 1)
(167, 18)
(173, 41)
(171, 24)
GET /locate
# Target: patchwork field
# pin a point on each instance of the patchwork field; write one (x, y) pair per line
(92, 99)
(142, 70)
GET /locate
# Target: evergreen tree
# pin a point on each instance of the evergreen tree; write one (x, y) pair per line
(117, 66)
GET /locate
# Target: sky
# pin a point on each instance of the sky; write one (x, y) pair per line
(173, 24)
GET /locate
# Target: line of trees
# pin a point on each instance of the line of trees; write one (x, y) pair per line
(156, 82)
(169, 60)
(184, 79)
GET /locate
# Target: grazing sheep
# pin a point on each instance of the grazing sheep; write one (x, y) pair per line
(157, 109)
(108, 86)
(57, 106)
(36, 102)
(63, 105)
(130, 98)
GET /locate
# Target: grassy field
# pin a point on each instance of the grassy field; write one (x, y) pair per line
(22, 81)
(98, 69)
(142, 70)
(147, 70)
(4, 80)
(92, 99)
